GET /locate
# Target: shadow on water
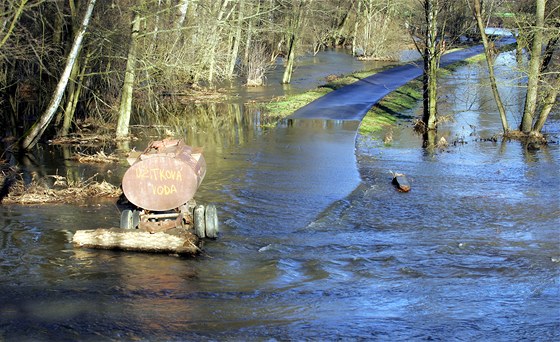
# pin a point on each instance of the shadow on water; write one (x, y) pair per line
(317, 244)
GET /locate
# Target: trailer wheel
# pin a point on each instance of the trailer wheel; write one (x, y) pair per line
(211, 220)
(130, 219)
(135, 219)
(199, 224)
(126, 219)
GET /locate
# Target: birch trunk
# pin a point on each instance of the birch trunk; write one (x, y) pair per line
(32, 136)
(125, 107)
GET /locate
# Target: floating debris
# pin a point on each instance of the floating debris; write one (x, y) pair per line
(401, 182)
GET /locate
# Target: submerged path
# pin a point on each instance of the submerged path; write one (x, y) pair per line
(353, 101)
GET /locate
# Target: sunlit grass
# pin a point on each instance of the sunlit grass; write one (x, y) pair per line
(284, 106)
(388, 111)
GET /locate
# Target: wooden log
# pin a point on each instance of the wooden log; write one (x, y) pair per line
(176, 241)
(400, 181)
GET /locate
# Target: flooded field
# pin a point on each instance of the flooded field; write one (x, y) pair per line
(316, 243)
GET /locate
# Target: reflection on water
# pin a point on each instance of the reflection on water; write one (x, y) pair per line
(316, 243)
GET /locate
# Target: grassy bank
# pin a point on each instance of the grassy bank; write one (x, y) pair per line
(389, 110)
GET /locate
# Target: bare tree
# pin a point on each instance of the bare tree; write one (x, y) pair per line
(295, 32)
(32, 136)
(431, 57)
(125, 107)
(377, 29)
(490, 58)
(534, 69)
(9, 24)
(542, 71)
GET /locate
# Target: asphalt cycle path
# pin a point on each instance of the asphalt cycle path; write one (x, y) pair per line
(353, 101)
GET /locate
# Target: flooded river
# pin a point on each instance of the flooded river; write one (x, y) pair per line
(316, 243)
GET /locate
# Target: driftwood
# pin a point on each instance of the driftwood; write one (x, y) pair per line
(176, 241)
(400, 181)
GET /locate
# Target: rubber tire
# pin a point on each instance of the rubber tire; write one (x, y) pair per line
(211, 221)
(135, 219)
(126, 219)
(199, 221)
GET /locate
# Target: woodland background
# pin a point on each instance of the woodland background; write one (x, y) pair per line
(127, 60)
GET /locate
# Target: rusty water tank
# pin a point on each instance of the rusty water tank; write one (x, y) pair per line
(165, 176)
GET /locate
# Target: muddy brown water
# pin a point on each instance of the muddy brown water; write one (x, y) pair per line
(316, 244)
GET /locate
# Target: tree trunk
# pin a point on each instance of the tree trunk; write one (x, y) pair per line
(183, 6)
(249, 36)
(549, 102)
(534, 70)
(287, 77)
(236, 38)
(490, 62)
(70, 110)
(215, 38)
(341, 24)
(355, 32)
(58, 26)
(17, 14)
(69, 90)
(177, 241)
(67, 114)
(32, 136)
(294, 40)
(125, 107)
(430, 65)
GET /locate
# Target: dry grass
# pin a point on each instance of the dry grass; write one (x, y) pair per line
(82, 139)
(98, 157)
(61, 191)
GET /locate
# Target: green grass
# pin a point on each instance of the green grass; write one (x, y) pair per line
(389, 110)
(286, 105)
(283, 106)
